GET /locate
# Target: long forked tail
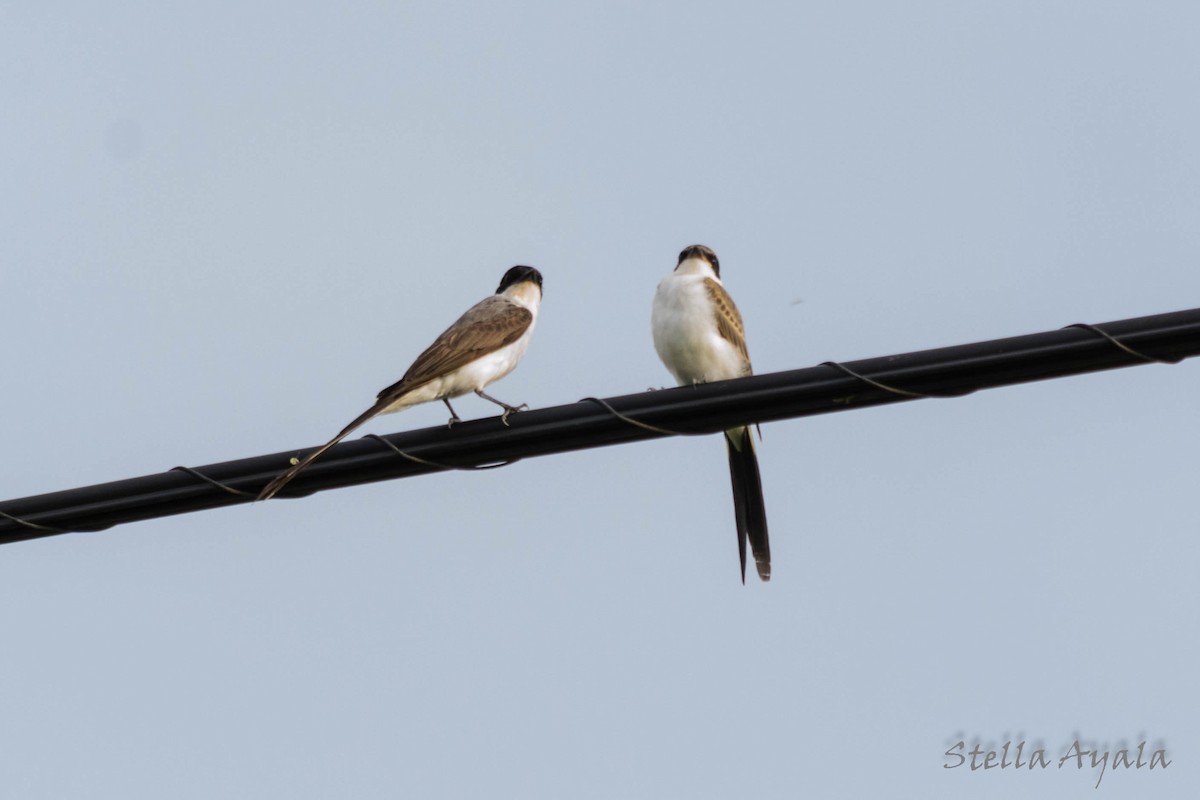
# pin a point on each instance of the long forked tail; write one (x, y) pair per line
(285, 478)
(748, 506)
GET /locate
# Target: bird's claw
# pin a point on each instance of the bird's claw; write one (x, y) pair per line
(512, 410)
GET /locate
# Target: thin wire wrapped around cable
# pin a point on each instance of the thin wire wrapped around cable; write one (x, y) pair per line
(195, 473)
(434, 464)
(33, 525)
(1087, 326)
(637, 423)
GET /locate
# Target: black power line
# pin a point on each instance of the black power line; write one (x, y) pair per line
(708, 408)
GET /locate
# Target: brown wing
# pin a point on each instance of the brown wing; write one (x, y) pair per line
(729, 321)
(487, 326)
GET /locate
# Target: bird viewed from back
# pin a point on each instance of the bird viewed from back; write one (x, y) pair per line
(483, 346)
(699, 336)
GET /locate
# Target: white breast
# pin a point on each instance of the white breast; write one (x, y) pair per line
(685, 333)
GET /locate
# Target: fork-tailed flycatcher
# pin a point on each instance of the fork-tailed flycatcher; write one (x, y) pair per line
(699, 336)
(483, 346)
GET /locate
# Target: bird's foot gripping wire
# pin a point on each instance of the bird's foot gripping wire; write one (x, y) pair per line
(507, 408)
(454, 417)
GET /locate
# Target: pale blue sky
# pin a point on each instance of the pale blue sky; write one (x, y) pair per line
(224, 227)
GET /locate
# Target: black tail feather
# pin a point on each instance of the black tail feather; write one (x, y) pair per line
(749, 508)
(285, 478)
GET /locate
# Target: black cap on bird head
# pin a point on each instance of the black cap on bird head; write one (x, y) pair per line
(517, 274)
(700, 251)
